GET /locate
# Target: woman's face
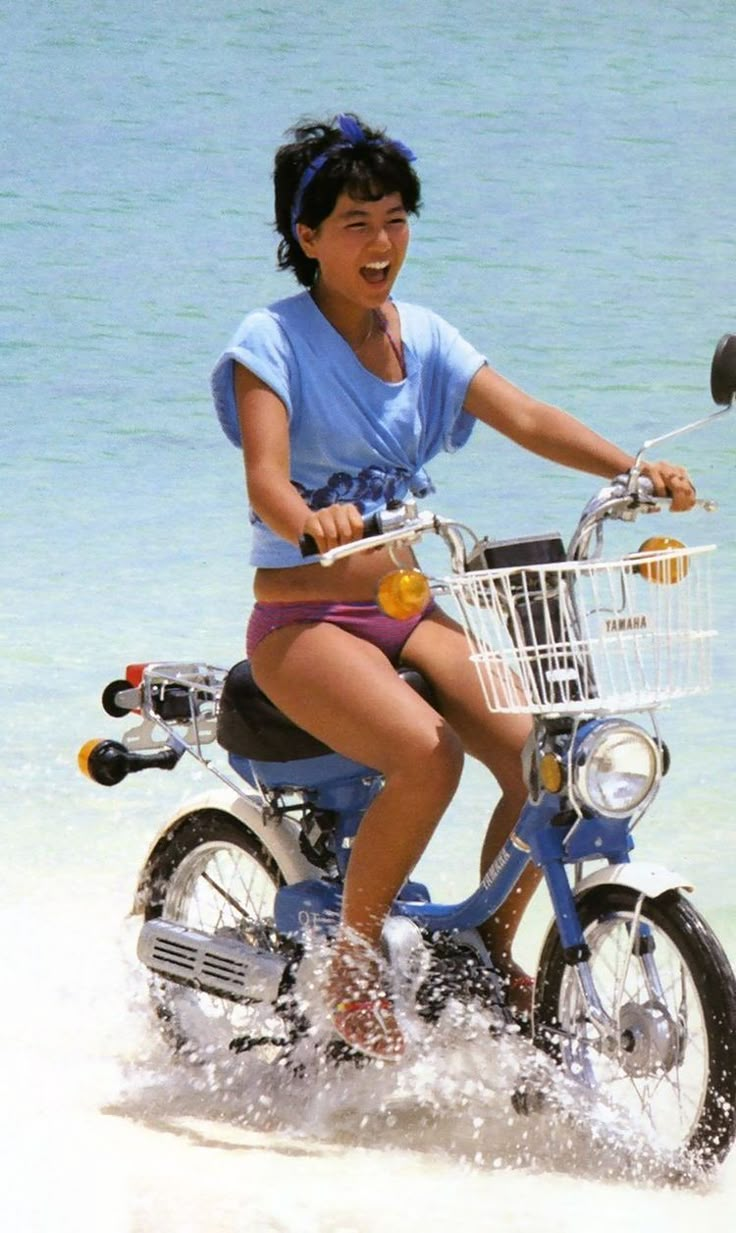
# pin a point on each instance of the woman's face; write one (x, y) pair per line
(360, 248)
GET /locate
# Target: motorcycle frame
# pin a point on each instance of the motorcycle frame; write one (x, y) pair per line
(544, 833)
(547, 832)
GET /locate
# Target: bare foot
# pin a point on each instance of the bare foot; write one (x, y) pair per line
(361, 1010)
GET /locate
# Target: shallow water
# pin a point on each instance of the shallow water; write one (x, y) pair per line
(577, 227)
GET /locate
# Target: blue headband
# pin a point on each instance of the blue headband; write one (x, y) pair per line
(353, 135)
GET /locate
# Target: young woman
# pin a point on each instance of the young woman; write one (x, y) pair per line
(339, 396)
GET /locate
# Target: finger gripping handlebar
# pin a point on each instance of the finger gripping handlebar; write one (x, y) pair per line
(371, 526)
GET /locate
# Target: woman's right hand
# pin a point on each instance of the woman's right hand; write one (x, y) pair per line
(334, 525)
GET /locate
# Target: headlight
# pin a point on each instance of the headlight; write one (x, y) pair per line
(617, 767)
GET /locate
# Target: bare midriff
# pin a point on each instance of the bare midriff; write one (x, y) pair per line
(353, 580)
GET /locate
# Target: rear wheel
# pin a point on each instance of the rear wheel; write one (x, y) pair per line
(667, 1051)
(213, 875)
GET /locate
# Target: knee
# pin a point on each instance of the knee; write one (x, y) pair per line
(447, 755)
(505, 763)
(432, 759)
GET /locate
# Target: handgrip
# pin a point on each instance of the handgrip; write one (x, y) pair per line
(371, 526)
(308, 546)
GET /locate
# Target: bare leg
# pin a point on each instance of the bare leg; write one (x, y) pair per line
(438, 649)
(347, 693)
(499, 931)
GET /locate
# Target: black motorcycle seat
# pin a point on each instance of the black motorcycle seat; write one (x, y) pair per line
(250, 726)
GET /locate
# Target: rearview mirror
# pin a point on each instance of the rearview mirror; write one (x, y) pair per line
(723, 371)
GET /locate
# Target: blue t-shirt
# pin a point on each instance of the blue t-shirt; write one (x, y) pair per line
(353, 436)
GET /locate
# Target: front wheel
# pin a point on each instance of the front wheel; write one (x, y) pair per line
(214, 875)
(665, 1048)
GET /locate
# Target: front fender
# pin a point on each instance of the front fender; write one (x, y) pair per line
(649, 880)
(281, 839)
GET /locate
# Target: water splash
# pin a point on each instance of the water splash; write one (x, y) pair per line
(454, 1096)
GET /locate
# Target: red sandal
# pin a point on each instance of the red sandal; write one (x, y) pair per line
(520, 999)
(360, 1011)
(379, 1037)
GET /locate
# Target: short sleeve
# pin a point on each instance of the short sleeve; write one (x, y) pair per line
(461, 363)
(449, 363)
(260, 346)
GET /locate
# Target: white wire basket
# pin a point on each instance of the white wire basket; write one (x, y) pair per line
(590, 636)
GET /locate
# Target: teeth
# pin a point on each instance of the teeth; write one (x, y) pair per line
(377, 265)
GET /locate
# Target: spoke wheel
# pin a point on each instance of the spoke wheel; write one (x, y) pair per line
(214, 876)
(667, 1055)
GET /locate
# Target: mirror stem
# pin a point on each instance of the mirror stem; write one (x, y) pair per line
(677, 432)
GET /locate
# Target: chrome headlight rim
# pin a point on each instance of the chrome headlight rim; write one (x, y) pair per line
(591, 747)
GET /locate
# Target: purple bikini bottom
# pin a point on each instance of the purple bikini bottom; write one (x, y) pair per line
(363, 620)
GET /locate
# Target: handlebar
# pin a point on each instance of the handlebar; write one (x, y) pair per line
(400, 524)
(372, 525)
(624, 498)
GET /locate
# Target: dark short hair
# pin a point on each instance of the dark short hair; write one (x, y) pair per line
(367, 170)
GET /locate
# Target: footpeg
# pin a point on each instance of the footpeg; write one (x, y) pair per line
(244, 1044)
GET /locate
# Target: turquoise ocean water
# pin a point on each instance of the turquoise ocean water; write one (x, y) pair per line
(578, 170)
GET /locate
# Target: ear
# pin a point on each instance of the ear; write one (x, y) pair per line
(307, 237)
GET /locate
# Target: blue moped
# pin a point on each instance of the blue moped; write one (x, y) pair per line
(634, 996)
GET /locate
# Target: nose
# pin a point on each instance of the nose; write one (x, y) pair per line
(381, 238)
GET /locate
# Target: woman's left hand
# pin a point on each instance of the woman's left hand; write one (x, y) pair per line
(671, 481)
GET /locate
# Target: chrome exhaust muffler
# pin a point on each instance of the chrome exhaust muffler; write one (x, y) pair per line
(223, 965)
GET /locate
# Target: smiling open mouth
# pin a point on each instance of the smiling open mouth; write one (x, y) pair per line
(375, 272)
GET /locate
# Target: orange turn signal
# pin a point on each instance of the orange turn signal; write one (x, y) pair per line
(550, 773)
(403, 593)
(108, 762)
(672, 569)
(85, 754)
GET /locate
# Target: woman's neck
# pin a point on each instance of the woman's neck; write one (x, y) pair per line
(362, 329)
(357, 325)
